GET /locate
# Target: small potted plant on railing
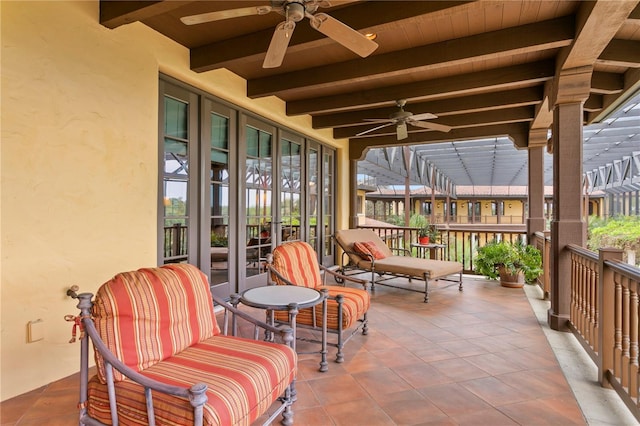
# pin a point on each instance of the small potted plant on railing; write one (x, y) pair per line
(514, 263)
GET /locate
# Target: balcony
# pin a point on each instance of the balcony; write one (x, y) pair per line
(481, 356)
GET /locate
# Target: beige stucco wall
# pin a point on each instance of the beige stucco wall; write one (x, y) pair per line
(78, 167)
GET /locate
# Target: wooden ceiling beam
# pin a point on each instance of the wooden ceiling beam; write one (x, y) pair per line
(483, 118)
(606, 83)
(477, 82)
(625, 53)
(596, 25)
(359, 16)
(442, 107)
(116, 13)
(517, 132)
(535, 37)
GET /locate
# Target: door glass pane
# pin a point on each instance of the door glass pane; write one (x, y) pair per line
(327, 203)
(313, 199)
(290, 208)
(175, 180)
(219, 195)
(259, 184)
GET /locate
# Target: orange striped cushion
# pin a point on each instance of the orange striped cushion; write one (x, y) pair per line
(361, 248)
(298, 263)
(355, 303)
(151, 314)
(375, 251)
(228, 365)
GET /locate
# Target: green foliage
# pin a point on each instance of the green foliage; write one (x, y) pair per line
(218, 240)
(621, 232)
(513, 257)
(425, 229)
(395, 220)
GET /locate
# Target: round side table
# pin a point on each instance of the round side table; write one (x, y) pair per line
(289, 298)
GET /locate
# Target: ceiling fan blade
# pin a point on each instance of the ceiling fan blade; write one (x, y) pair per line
(401, 131)
(279, 43)
(225, 14)
(424, 116)
(343, 34)
(379, 120)
(430, 126)
(373, 129)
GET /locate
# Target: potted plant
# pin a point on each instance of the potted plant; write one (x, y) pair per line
(425, 230)
(514, 263)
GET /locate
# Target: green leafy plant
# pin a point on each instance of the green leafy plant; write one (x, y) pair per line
(514, 257)
(219, 240)
(621, 232)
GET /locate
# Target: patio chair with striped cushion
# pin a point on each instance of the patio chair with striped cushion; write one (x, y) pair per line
(162, 358)
(296, 263)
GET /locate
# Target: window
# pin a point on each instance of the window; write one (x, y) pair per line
(231, 186)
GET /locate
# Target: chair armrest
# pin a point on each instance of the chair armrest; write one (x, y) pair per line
(404, 251)
(343, 277)
(286, 333)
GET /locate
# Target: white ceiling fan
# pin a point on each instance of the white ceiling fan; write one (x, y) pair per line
(294, 11)
(402, 118)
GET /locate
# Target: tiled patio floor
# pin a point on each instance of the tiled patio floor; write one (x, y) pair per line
(477, 357)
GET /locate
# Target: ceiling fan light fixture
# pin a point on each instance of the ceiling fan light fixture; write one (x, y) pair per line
(371, 36)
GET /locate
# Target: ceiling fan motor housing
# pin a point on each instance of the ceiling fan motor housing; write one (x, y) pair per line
(294, 10)
(400, 115)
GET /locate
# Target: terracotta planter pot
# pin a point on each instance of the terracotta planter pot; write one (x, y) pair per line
(423, 240)
(511, 280)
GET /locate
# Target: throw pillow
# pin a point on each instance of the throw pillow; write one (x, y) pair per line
(362, 249)
(375, 251)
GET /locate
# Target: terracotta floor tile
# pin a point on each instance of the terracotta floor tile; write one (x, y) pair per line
(381, 382)
(360, 412)
(315, 416)
(453, 399)
(336, 389)
(410, 408)
(483, 418)
(495, 392)
(494, 363)
(533, 412)
(421, 375)
(458, 369)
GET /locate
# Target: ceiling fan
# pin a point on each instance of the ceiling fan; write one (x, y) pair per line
(401, 118)
(293, 11)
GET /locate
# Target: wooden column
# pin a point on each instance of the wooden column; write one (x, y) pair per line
(353, 194)
(536, 221)
(567, 226)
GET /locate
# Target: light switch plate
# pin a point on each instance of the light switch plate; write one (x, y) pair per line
(35, 331)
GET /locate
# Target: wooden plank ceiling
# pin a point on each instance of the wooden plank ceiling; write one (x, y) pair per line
(484, 68)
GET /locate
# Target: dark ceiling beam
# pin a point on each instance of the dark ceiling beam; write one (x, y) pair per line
(635, 13)
(477, 82)
(442, 107)
(363, 15)
(517, 132)
(606, 83)
(483, 118)
(116, 13)
(535, 37)
(625, 53)
(593, 103)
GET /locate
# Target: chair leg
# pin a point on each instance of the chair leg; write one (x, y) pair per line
(426, 289)
(340, 355)
(287, 414)
(365, 324)
(460, 285)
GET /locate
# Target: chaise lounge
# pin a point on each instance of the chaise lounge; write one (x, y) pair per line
(367, 252)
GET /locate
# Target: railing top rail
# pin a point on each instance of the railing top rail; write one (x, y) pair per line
(583, 252)
(628, 271)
